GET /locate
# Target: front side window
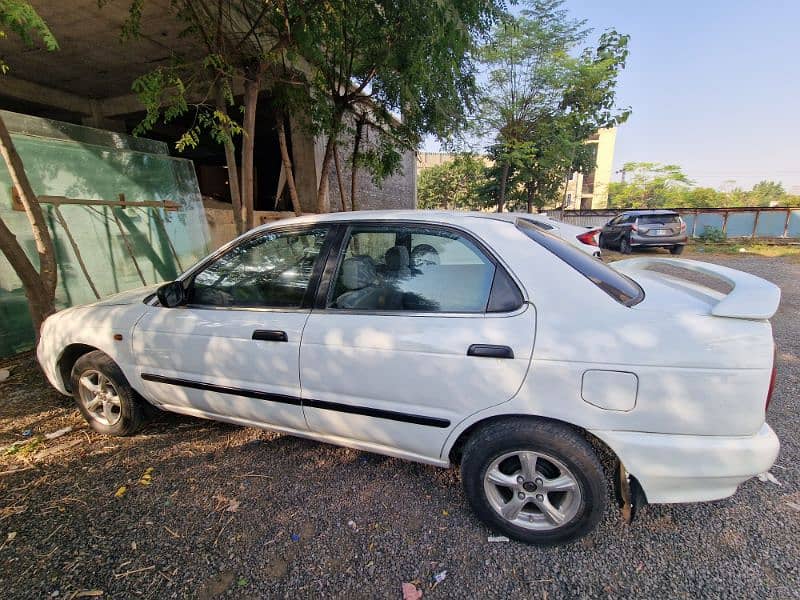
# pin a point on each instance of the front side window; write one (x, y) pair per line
(272, 270)
(411, 268)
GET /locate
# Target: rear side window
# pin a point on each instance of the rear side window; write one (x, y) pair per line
(623, 289)
(663, 219)
(417, 268)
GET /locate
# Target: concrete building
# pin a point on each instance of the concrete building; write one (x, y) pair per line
(590, 190)
(88, 82)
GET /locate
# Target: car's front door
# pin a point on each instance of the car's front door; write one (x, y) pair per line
(420, 327)
(232, 351)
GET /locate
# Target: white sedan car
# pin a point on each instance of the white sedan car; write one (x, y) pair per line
(448, 339)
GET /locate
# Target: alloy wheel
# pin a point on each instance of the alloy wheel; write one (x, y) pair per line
(532, 490)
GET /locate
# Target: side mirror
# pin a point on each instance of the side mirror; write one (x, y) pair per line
(172, 294)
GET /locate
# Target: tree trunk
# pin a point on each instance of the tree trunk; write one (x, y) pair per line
(251, 89)
(41, 303)
(530, 197)
(501, 199)
(322, 191)
(339, 180)
(354, 165)
(39, 286)
(287, 163)
(233, 169)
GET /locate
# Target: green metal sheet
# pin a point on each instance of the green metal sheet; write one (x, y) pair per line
(80, 162)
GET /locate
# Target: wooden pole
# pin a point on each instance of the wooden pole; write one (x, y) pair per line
(75, 249)
(127, 242)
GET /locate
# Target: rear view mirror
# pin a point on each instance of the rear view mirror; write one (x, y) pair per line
(172, 294)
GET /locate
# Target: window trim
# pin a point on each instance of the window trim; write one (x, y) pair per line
(306, 304)
(336, 256)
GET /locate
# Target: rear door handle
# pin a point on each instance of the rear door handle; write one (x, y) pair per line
(490, 351)
(270, 335)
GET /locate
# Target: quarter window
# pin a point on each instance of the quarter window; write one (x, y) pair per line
(272, 270)
(411, 268)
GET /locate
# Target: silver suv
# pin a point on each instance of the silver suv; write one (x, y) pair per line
(644, 228)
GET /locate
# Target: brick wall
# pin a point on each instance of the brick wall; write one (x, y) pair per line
(396, 192)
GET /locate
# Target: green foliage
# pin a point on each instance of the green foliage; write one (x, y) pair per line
(19, 17)
(712, 235)
(654, 185)
(457, 184)
(545, 96)
(406, 69)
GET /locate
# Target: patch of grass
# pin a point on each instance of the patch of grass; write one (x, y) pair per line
(769, 250)
(25, 449)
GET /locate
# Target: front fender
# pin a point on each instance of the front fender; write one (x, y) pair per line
(107, 328)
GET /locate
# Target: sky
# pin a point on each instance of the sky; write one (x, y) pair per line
(714, 86)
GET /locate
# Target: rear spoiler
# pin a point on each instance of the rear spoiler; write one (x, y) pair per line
(750, 298)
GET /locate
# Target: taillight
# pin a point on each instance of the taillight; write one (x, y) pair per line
(772, 378)
(683, 226)
(589, 238)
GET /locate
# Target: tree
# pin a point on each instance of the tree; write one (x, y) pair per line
(19, 17)
(767, 193)
(541, 102)
(456, 184)
(394, 71)
(649, 185)
(247, 45)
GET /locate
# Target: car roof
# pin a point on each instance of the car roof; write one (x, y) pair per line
(650, 211)
(432, 216)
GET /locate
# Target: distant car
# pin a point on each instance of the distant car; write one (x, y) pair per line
(449, 338)
(644, 229)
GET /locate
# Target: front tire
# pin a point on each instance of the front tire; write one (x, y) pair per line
(535, 481)
(103, 395)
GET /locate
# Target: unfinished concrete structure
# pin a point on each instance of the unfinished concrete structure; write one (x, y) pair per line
(88, 82)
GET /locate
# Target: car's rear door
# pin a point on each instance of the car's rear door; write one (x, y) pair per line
(232, 352)
(415, 328)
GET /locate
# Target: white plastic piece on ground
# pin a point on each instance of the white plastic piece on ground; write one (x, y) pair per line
(57, 434)
(4, 374)
(497, 538)
(768, 477)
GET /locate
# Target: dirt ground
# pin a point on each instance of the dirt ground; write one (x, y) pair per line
(197, 509)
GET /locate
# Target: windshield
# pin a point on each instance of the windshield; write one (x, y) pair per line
(623, 289)
(648, 219)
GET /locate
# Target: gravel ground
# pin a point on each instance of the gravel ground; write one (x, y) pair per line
(234, 512)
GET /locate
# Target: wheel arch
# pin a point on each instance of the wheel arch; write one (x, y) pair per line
(69, 357)
(454, 453)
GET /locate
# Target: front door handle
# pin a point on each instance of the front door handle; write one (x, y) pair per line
(270, 335)
(490, 351)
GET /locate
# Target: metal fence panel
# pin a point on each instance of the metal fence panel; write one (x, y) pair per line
(736, 222)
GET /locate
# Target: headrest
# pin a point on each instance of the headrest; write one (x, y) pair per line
(358, 272)
(424, 254)
(396, 258)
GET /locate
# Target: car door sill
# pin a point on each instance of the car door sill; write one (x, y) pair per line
(319, 437)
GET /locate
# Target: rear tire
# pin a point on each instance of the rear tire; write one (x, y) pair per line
(625, 245)
(105, 398)
(538, 482)
(676, 249)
